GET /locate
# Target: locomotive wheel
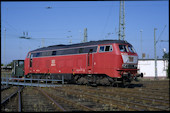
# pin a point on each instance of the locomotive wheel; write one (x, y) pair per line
(105, 81)
(125, 83)
(82, 80)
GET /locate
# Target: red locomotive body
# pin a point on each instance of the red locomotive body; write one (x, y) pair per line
(103, 62)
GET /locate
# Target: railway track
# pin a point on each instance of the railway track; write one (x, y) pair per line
(27, 100)
(33, 100)
(7, 91)
(142, 93)
(153, 86)
(113, 104)
(10, 99)
(127, 97)
(104, 97)
(80, 98)
(68, 102)
(86, 98)
(3, 87)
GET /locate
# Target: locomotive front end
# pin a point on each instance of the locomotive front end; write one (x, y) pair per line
(129, 63)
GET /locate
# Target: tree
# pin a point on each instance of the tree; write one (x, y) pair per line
(166, 56)
(10, 64)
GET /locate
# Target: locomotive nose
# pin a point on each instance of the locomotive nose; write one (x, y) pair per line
(129, 59)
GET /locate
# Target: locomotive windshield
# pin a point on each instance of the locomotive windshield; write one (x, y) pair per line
(125, 48)
(131, 49)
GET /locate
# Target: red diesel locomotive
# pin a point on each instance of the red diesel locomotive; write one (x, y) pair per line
(104, 62)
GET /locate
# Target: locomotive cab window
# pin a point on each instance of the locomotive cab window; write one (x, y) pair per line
(123, 48)
(108, 48)
(101, 49)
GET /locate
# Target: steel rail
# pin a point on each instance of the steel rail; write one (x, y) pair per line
(72, 103)
(103, 100)
(3, 102)
(103, 90)
(131, 105)
(125, 95)
(149, 89)
(20, 100)
(131, 92)
(8, 98)
(5, 88)
(35, 101)
(52, 100)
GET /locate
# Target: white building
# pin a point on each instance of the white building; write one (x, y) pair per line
(147, 67)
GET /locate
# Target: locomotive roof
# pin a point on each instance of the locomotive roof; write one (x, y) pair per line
(81, 44)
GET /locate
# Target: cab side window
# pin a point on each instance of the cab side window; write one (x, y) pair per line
(101, 49)
(123, 48)
(107, 48)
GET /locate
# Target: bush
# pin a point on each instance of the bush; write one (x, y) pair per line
(168, 71)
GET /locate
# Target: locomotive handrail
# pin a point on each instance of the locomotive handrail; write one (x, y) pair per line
(10, 80)
(31, 79)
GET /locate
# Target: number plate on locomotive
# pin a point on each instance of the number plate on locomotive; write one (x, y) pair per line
(130, 59)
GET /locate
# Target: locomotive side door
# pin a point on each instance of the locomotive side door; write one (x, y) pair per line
(31, 59)
(90, 61)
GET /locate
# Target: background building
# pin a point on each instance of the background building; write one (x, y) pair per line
(147, 67)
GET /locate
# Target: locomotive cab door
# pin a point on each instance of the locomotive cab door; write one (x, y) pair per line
(90, 61)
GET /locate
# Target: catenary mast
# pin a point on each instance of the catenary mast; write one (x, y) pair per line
(122, 21)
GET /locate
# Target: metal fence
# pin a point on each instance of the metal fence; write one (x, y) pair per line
(32, 82)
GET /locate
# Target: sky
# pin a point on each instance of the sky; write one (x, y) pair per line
(63, 22)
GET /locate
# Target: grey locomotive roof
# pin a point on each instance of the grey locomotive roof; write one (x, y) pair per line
(81, 44)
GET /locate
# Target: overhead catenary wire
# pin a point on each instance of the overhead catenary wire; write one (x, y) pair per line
(53, 7)
(10, 25)
(161, 34)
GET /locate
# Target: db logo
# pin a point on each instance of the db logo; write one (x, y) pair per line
(53, 63)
